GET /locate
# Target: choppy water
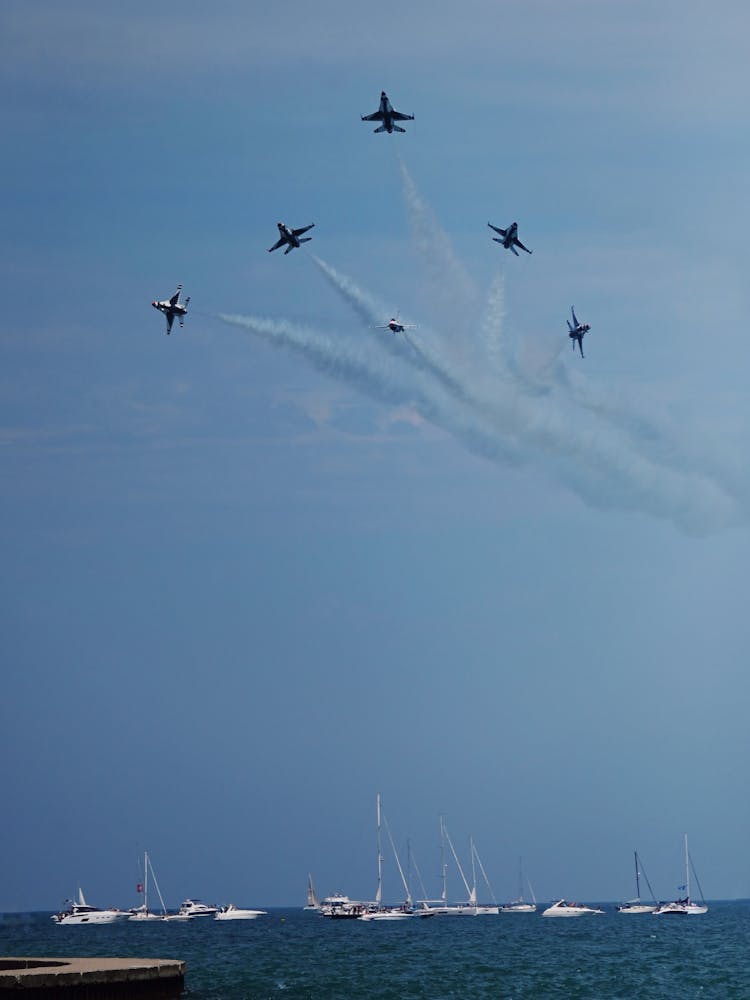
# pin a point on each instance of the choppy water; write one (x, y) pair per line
(290, 955)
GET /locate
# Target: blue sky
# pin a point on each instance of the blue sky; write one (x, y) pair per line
(260, 570)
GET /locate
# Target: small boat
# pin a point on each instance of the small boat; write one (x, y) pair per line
(232, 912)
(520, 905)
(684, 906)
(635, 905)
(564, 909)
(80, 912)
(195, 908)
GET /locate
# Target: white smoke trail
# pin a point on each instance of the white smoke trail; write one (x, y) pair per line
(384, 379)
(599, 467)
(402, 345)
(366, 308)
(492, 327)
(452, 292)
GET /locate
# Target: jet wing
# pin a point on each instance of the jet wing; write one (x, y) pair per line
(277, 244)
(299, 232)
(170, 320)
(501, 231)
(376, 116)
(176, 297)
(520, 244)
(398, 117)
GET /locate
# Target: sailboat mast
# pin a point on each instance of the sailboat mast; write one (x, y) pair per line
(687, 868)
(473, 896)
(637, 877)
(145, 880)
(379, 893)
(443, 866)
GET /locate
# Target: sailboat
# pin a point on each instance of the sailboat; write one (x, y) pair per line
(520, 905)
(470, 908)
(313, 903)
(635, 905)
(142, 912)
(684, 906)
(377, 911)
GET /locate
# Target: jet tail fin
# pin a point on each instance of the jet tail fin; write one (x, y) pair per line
(187, 301)
(397, 128)
(305, 239)
(381, 129)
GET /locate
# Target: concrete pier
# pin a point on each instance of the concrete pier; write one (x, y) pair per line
(91, 978)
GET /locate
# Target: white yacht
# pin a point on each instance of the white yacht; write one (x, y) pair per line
(684, 906)
(339, 907)
(81, 912)
(388, 913)
(232, 912)
(195, 908)
(564, 909)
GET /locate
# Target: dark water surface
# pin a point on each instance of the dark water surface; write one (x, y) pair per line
(292, 955)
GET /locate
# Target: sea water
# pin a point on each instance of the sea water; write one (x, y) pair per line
(290, 954)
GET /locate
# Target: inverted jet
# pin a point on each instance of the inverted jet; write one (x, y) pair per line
(291, 237)
(576, 331)
(395, 325)
(510, 238)
(172, 307)
(387, 116)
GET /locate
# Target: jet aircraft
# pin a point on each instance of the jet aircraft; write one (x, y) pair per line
(576, 331)
(290, 236)
(510, 238)
(172, 307)
(387, 116)
(395, 325)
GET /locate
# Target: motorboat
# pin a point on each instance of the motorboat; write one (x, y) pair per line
(232, 912)
(195, 908)
(635, 905)
(81, 912)
(388, 913)
(339, 907)
(564, 909)
(684, 906)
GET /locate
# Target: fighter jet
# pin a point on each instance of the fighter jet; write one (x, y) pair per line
(395, 326)
(171, 308)
(290, 236)
(576, 331)
(510, 238)
(387, 116)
